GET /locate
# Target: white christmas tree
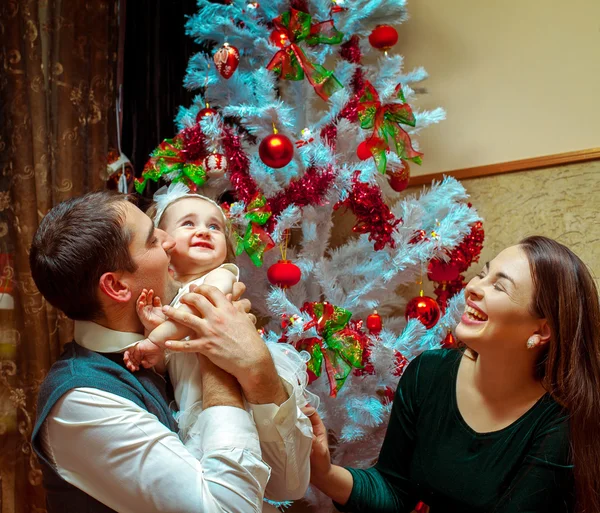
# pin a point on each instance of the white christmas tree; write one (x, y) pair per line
(299, 141)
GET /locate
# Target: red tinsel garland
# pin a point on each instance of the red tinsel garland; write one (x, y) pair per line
(373, 215)
(238, 163)
(308, 190)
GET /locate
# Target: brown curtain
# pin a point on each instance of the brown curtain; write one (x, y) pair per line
(58, 63)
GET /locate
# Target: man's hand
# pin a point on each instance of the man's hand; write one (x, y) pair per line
(227, 336)
(243, 305)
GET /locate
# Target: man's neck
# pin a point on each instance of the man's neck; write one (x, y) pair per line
(119, 320)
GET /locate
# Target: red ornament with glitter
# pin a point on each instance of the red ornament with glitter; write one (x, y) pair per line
(374, 324)
(279, 38)
(425, 309)
(284, 274)
(215, 165)
(276, 151)
(227, 59)
(204, 113)
(383, 37)
(449, 342)
(399, 178)
(440, 271)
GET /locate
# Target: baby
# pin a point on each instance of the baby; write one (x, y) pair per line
(203, 255)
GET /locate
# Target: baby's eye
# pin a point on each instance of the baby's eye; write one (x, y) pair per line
(214, 227)
(187, 223)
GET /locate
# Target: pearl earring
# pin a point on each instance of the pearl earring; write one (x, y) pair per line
(531, 343)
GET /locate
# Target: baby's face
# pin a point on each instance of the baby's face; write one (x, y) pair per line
(198, 228)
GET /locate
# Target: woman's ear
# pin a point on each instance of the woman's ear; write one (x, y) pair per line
(544, 332)
(116, 289)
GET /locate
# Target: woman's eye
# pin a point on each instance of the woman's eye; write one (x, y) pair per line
(499, 287)
(481, 275)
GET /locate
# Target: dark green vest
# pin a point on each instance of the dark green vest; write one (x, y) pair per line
(78, 367)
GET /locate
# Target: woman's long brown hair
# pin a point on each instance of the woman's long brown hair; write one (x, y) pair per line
(567, 297)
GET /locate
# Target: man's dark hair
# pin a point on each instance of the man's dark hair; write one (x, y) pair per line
(76, 243)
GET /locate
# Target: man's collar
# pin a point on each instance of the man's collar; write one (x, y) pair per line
(97, 338)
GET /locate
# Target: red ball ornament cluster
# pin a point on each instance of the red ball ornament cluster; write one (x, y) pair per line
(425, 309)
(383, 37)
(284, 274)
(227, 59)
(279, 38)
(276, 151)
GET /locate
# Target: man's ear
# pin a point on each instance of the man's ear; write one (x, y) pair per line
(116, 289)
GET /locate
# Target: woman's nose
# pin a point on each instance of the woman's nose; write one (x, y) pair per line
(474, 288)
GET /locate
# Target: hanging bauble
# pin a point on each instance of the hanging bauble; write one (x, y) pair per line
(398, 178)
(215, 165)
(226, 60)
(374, 324)
(383, 37)
(363, 152)
(284, 274)
(425, 309)
(205, 113)
(440, 271)
(279, 38)
(276, 150)
(449, 342)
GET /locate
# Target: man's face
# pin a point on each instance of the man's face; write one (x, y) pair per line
(150, 249)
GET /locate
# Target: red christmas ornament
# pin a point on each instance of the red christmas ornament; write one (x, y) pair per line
(276, 151)
(449, 342)
(204, 113)
(445, 271)
(363, 152)
(215, 165)
(279, 38)
(284, 274)
(399, 178)
(383, 37)
(227, 59)
(425, 309)
(374, 324)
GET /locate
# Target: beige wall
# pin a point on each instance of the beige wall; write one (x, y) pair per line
(562, 203)
(518, 78)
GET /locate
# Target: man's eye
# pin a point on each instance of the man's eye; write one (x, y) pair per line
(154, 241)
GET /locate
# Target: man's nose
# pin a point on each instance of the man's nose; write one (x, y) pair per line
(168, 242)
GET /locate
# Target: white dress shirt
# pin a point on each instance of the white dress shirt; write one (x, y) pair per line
(121, 455)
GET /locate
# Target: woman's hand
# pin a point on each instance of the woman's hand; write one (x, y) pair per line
(320, 458)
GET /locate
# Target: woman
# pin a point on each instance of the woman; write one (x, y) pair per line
(508, 425)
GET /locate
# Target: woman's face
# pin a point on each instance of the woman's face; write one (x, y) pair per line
(497, 314)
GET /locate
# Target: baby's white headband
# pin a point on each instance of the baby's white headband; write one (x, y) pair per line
(164, 196)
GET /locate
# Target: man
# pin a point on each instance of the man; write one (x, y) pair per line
(105, 437)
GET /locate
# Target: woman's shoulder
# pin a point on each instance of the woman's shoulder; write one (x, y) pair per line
(433, 365)
(436, 358)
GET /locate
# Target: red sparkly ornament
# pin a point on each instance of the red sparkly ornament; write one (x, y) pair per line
(425, 309)
(449, 342)
(284, 274)
(204, 113)
(215, 165)
(399, 178)
(279, 38)
(383, 37)
(276, 151)
(374, 324)
(363, 152)
(227, 59)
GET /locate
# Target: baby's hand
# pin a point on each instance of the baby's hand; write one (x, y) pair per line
(144, 353)
(149, 310)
